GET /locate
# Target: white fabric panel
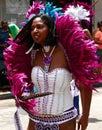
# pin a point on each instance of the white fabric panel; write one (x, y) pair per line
(58, 82)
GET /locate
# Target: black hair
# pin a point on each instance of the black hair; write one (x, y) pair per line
(25, 34)
(84, 24)
(99, 24)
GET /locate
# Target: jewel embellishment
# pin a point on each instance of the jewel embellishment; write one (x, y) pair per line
(47, 60)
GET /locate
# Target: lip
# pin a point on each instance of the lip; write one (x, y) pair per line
(36, 36)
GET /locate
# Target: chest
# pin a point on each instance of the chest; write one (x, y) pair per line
(56, 80)
(58, 60)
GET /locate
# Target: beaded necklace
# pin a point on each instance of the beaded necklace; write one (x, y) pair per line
(47, 59)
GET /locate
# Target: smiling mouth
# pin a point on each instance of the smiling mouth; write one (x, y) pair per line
(36, 37)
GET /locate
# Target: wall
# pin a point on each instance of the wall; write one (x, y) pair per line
(98, 13)
(13, 16)
(21, 17)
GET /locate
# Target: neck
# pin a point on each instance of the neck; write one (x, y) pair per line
(46, 48)
(4, 29)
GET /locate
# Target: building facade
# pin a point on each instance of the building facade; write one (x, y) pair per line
(15, 10)
(98, 13)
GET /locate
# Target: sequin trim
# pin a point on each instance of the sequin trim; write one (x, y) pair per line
(66, 116)
(41, 126)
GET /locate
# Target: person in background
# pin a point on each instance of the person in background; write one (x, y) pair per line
(97, 36)
(46, 54)
(4, 35)
(88, 35)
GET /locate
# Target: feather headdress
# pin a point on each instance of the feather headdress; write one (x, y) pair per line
(40, 8)
(36, 8)
(79, 11)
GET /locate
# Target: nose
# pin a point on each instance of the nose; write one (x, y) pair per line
(35, 30)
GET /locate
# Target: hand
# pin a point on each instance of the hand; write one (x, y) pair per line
(83, 122)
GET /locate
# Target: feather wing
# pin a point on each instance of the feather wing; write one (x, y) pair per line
(19, 71)
(81, 53)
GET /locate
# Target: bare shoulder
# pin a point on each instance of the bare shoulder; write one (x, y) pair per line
(94, 31)
(88, 34)
(86, 30)
(59, 57)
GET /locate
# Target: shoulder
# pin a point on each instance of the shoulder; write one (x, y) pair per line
(98, 33)
(86, 30)
(88, 34)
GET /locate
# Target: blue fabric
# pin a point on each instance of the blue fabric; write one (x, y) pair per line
(76, 103)
(3, 36)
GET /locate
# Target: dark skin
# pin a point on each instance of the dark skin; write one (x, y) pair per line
(88, 34)
(86, 97)
(39, 32)
(55, 63)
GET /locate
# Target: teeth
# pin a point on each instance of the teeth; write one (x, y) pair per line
(36, 36)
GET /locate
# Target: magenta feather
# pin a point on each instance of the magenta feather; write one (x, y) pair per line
(35, 9)
(81, 53)
(19, 71)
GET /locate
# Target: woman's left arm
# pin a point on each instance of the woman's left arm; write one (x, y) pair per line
(86, 97)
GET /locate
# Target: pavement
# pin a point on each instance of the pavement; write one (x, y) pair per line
(7, 110)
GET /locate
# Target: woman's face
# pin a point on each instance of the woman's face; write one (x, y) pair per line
(4, 25)
(39, 31)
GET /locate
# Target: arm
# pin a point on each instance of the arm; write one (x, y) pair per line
(86, 97)
(97, 41)
(88, 34)
(97, 37)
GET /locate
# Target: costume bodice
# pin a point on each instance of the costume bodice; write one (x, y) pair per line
(56, 81)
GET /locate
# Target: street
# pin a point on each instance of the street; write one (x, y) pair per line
(7, 109)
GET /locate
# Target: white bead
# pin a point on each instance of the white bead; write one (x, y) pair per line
(46, 48)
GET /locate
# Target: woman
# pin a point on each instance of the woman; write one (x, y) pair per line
(4, 35)
(97, 36)
(40, 32)
(46, 57)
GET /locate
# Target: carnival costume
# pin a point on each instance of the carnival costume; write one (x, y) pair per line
(80, 54)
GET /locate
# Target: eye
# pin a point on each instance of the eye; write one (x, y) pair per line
(38, 27)
(32, 28)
